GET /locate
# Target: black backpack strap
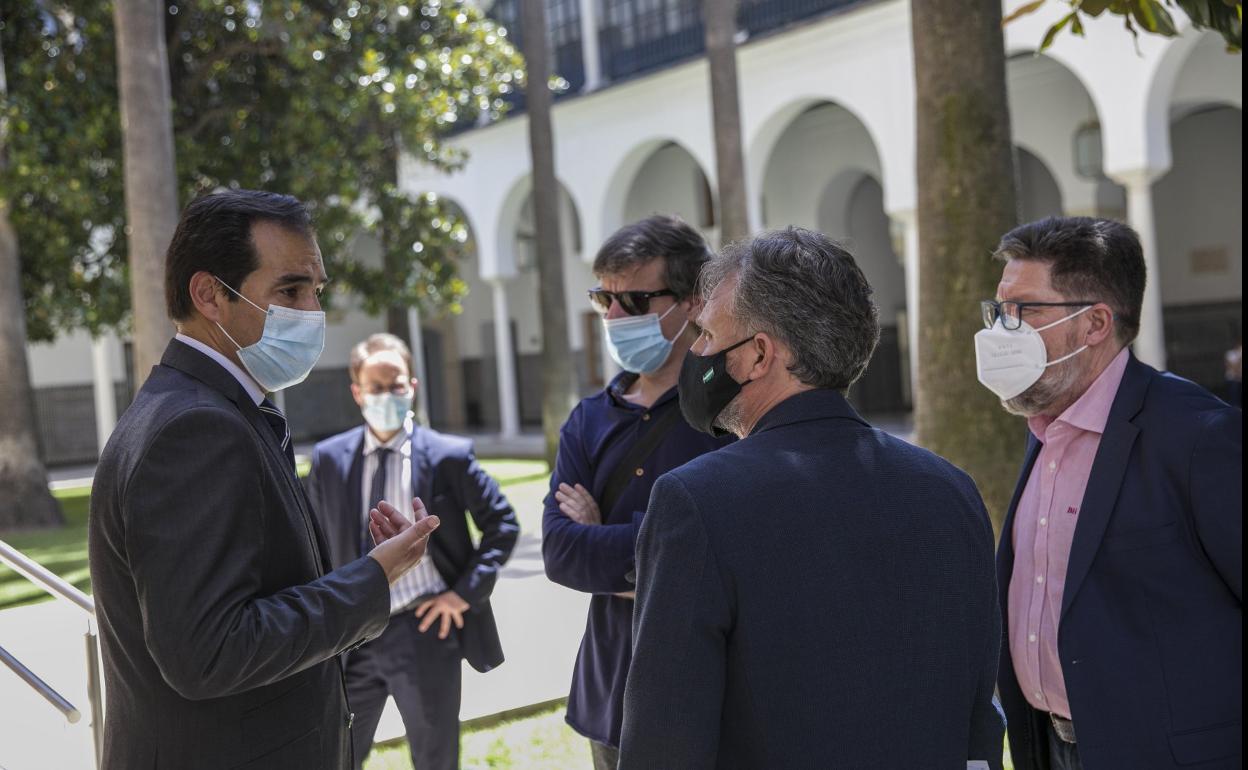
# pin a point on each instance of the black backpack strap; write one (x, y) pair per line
(627, 468)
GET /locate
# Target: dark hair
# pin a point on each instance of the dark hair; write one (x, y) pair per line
(375, 344)
(682, 248)
(806, 291)
(214, 235)
(1088, 258)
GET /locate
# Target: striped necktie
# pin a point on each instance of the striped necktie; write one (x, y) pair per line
(277, 421)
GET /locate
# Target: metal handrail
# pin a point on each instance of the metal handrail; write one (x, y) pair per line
(43, 688)
(45, 578)
(53, 584)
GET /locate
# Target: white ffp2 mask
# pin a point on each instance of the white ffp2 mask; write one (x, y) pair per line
(1009, 361)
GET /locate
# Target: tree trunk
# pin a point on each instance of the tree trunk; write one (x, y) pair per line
(150, 175)
(25, 501)
(966, 201)
(557, 374)
(720, 20)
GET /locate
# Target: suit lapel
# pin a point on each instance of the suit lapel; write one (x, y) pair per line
(352, 464)
(1112, 458)
(422, 478)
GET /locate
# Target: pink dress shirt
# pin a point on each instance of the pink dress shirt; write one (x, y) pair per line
(1044, 528)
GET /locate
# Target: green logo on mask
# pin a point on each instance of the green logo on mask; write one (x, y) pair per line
(707, 377)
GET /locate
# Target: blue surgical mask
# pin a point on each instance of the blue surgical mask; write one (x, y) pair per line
(385, 412)
(637, 343)
(287, 350)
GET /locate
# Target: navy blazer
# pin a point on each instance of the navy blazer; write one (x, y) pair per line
(1150, 634)
(817, 595)
(221, 622)
(450, 482)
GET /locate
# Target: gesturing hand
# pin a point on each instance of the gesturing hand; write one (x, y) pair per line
(400, 543)
(578, 504)
(447, 606)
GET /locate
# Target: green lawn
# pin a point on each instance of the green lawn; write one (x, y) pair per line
(64, 550)
(540, 741)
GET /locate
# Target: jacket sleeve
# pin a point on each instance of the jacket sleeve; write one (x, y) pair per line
(593, 558)
(674, 696)
(194, 515)
(481, 496)
(1216, 491)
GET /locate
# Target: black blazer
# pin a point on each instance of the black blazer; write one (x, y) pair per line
(817, 595)
(220, 620)
(1150, 634)
(450, 481)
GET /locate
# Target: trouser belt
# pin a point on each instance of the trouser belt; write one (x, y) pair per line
(1064, 728)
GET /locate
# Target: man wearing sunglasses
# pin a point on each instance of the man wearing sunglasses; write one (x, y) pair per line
(1121, 558)
(613, 447)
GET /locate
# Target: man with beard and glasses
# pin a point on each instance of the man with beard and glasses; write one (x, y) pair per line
(1121, 556)
(818, 594)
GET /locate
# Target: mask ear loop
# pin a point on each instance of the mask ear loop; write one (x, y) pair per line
(244, 299)
(1073, 353)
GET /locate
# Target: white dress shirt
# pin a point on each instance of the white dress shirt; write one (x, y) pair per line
(423, 579)
(244, 379)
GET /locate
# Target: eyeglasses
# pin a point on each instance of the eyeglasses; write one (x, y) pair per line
(398, 389)
(1011, 313)
(633, 302)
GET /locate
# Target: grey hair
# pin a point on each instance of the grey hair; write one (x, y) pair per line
(802, 289)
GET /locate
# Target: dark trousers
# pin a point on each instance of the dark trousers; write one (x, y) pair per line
(1063, 755)
(424, 675)
(605, 757)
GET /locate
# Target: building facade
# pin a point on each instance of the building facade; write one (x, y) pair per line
(1147, 131)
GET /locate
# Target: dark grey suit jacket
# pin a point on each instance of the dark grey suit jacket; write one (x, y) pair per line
(220, 622)
(818, 595)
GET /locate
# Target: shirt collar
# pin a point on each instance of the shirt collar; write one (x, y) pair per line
(397, 442)
(1091, 411)
(620, 385)
(253, 389)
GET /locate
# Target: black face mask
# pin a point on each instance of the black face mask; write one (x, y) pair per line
(705, 388)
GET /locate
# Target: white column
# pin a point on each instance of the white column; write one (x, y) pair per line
(590, 55)
(504, 354)
(418, 364)
(1150, 344)
(908, 222)
(105, 397)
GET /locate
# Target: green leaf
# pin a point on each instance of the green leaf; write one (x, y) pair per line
(1023, 10)
(1051, 35)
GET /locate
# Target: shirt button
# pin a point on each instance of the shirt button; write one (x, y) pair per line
(1031, 637)
(1052, 465)
(640, 472)
(1039, 695)
(1039, 578)
(1044, 521)
(645, 416)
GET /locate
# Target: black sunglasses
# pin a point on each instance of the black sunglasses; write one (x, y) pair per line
(633, 302)
(1011, 313)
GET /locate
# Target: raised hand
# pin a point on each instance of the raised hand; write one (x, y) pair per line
(400, 543)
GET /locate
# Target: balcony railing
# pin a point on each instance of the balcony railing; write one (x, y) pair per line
(638, 36)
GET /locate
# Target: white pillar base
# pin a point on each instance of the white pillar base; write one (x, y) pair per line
(102, 386)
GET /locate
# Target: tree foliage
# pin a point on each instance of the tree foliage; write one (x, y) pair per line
(315, 98)
(1226, 17)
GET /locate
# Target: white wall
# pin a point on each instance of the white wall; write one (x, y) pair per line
(1199, 207)
(67, 360)
(869, 240)
(669, 182)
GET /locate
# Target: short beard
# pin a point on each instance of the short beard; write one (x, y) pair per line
(1053, 388)
(730, 418)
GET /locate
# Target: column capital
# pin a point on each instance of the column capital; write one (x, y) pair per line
(1134, 178)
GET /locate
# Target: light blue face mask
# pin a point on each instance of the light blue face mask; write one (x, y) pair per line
(385, 412)
(637, 343)
(287, 350)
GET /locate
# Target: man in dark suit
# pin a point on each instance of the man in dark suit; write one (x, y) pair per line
(818, 594)
(220, 618)
(1121, 557)
(440, 611)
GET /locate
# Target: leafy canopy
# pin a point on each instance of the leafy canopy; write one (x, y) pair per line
(1224, 16)
(315, 98)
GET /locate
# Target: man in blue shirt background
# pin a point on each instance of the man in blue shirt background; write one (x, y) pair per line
(613, 447)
